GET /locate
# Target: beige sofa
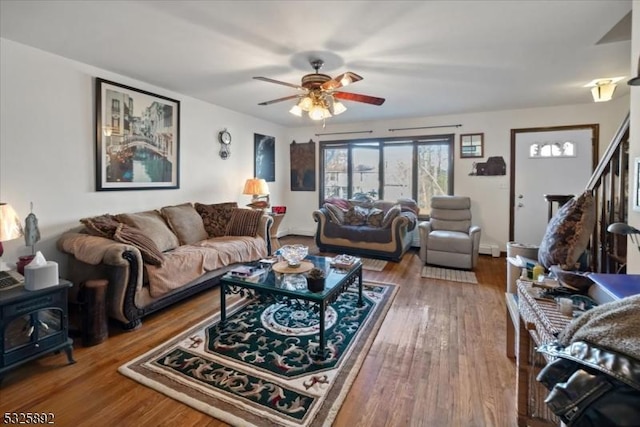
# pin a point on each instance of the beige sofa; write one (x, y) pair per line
(155, 258)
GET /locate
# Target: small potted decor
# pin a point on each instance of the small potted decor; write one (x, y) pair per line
(315, 280)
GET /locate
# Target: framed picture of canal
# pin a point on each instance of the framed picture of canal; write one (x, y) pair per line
(137, 139)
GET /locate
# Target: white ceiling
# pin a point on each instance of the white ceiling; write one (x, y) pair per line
(425, 57)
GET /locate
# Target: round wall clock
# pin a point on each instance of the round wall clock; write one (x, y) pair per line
(225, 139)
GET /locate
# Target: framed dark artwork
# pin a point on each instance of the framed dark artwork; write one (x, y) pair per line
(264, 148)
(471, 145)
(303, 166)
(137, 139)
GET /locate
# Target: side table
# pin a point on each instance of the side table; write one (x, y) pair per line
(540, 323)
(33, 323)
(277, 219)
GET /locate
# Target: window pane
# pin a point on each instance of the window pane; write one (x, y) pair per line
(335, 173)
(398, 162)
(366, 178)
(433, 174)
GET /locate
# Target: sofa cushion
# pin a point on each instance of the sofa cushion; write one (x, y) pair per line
(356, 215)
(216, 217)
(135, 237)
(102, 225)
(375, 217)
(244, 222)
(153, 225)
(336, 213)
(391, 214)
(185, 222)
(568, 233)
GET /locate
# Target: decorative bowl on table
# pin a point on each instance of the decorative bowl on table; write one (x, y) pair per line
(293, 254)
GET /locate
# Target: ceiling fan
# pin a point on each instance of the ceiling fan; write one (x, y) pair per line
(320, 97)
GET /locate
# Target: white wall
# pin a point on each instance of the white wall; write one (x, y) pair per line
(490, 195)
(47, 142)
(47, 149)
(633, 253)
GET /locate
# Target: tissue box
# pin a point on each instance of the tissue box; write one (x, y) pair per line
(42, 276)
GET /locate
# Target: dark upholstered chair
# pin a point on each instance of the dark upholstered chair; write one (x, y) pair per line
(448, 239)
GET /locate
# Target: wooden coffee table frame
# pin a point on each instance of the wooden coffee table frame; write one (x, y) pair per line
(337, 281)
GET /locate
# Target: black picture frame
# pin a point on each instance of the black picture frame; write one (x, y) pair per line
(137, 139)
(264, 165)
(471, 145)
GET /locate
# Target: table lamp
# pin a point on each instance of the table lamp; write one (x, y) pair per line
(10, 228)
(259, 189)
(625, 229)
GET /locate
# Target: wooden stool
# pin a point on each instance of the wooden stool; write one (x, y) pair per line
(95, 328)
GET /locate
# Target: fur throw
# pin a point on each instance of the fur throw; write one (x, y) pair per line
(613, 325)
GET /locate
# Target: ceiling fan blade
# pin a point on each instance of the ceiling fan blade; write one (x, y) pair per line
(359, 98)
(341, 81)
(273, 101)
(278, 82)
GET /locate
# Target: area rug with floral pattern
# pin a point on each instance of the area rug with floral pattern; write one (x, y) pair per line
(261, 368)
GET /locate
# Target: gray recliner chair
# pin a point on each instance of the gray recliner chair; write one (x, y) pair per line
(448, 239)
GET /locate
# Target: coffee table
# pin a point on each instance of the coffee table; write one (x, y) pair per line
(273, 286)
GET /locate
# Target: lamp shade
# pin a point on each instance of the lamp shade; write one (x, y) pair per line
(256, 187)
(10, 224)
(622, 228)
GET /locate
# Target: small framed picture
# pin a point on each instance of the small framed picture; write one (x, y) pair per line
(264, 165)
(471, 145)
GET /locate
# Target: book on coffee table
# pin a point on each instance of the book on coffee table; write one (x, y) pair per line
(344, 261)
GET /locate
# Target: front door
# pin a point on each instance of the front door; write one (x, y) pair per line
(547, 161)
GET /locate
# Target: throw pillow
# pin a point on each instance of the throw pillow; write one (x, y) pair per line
(185, 222)
(336, 214)
(216, 217)
(244, 222)
(356, 215)
(339, 202)
(152, 225)
(134, 237)
(375, 217)
(568, 233)
(390, 216)
(102, 225)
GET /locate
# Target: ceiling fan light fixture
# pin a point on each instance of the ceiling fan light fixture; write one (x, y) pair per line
(296, 110)
(306, 103)
(346, 80)
(317, 112)
(338, 108)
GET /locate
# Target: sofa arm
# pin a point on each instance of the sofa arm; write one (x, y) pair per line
(94, 257)
(95, 250)
(474, 232)
(424, 228)
(264, 230)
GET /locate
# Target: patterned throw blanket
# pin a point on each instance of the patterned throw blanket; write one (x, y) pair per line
(614, 325)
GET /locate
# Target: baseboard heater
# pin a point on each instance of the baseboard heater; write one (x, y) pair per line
(486, 249)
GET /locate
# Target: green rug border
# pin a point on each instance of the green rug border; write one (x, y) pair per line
(328, 409)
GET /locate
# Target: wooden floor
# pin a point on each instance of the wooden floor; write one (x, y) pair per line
(438, 360)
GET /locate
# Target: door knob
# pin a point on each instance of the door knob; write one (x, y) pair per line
(520, 196)
(520, 205)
